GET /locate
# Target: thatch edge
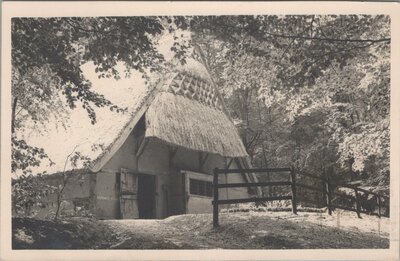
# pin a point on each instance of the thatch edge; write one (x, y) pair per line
(224, 109)
(251, 177)
(188, 123)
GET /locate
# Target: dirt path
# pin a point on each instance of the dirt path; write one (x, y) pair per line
(147, 234)
(249, 231)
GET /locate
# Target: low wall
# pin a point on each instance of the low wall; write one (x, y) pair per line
(76, 196)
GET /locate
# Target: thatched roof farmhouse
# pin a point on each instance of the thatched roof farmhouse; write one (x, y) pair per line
(161, 161)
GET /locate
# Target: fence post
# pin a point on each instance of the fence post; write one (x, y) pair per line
(379, 206)
(357, 203)
(324, 194)
(293, 184)
(329, 195)
(215, 201)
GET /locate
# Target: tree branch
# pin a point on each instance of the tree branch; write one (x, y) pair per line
(329, 39)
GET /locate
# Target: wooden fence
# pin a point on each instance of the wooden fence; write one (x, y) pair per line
(327, 191)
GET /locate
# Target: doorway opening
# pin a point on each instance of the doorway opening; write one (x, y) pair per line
(146, 196)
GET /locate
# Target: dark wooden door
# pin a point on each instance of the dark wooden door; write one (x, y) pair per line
(146, 196)
(128, 195)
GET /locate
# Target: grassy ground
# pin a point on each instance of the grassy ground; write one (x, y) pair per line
(248, 230)
(82, 233)
(278, 230)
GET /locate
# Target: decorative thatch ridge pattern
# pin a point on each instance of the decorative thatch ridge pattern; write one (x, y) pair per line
(193, 68)
(196, 89)
(185, 122)
(184, 109)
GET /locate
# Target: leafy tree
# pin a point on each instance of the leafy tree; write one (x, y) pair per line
(28, 192)
(46, 57)
(75, 159)
(324, 84)
(307, 90)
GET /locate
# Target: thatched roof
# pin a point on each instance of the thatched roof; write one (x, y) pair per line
(189, 112)
(187, 123)
(184, 109)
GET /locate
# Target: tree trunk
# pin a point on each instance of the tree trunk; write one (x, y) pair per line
(266, 166)
(14, 106)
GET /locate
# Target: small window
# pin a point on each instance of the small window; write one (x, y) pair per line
(209, 191)
(200, 187)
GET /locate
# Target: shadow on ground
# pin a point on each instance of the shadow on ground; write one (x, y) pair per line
(237, 231)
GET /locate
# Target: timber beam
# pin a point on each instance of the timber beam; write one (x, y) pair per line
(141, 148)
(202, 160)
(229, 163)
(172, 153)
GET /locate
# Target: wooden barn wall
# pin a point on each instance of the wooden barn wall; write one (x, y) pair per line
(155, 160)
(189, 160)
(99, 191)
(107, 187)
(78, 192)
(106, 195)
(162, 182)
(124, 157)
(196, 203)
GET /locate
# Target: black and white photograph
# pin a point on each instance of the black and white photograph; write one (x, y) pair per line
(200, 132)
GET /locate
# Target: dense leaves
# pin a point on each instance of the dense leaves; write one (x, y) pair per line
(305, 45)
(24, 156)
(28, 192)
(47, 54)
(310, 91)
(59, 46)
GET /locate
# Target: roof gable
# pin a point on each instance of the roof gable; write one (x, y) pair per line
(98, 163)
(184, 109)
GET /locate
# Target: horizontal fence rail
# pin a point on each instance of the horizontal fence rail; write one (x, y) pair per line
(232, 171)
(254, 184)
(216, 201)
(246, 200)
(326, 190)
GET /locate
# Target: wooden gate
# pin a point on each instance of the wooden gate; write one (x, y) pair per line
(128, 194)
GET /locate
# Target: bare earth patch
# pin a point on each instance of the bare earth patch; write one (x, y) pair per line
(252, 230)
(239, 230)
